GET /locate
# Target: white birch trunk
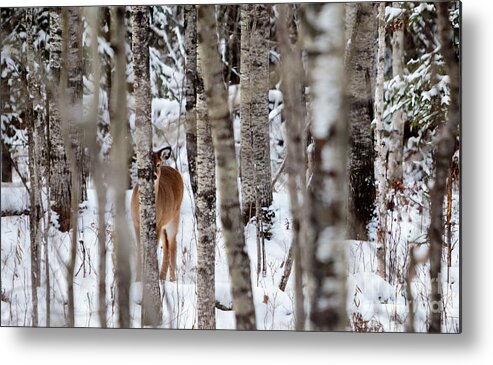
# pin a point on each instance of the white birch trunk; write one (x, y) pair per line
(445, 149)
(60, 174)
(119, 158)
(206, 210)
(70, 108)
(191, 92)
(292, 86)
(381, 148)
(360, 71)
(394, 172)
(324, 43)
(93, 17)
(254, 110)
(34, 215)
(227, 168)
(151, 297)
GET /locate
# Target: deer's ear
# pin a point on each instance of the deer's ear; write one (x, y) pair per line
(165, 153)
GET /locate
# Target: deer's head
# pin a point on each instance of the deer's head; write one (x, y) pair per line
(159, 159)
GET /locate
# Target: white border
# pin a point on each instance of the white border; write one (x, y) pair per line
(86, 346)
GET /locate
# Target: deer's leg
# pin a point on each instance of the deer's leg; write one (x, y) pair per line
(173, 230)
(138, 274)
(164, 268)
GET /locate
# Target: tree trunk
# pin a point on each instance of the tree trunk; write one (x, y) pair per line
(205, 208)
(410, 275)
(254, 111)
(292, 87)
(35, 211)
(109, 62)
(69, 116)
(6, 162)
(6, 159)
(360, 68)
(396, 137)
(119, 157)
(191, 92)
(95, 160)
(222, 134)
(76, 90)
(151, 297)
(381, 149)
(324, 44)
(60, 174)
(445, 149)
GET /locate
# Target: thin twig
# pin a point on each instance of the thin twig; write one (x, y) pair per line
(23, 179)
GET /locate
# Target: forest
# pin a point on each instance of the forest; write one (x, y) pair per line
(251, 167)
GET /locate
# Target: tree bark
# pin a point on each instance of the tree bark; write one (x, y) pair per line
(93, 17)
(381, 149)
(254, 110)
(360, 115)
(6, 162)
(67, 98)
(445, 149)
(76, 89)
(60, 174)
(292, 87)
(396, 137)
(206, 211)
(34, 195)
(151, 297)
(324, 43)
(222, 134)
(119, 157)
(205, 208)
(6, 159)
(191, 92)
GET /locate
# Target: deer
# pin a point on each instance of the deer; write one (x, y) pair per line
(168, 189)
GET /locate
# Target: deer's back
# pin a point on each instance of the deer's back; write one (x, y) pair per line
(169, 194)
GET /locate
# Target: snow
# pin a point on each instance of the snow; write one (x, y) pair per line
(372, 302)
(392, 13)
(165, 111)
(15, 198)
(369, 296)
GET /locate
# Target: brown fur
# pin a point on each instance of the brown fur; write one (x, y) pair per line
(168, 188)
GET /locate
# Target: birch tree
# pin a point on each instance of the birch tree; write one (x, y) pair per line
(205, 207)
(70, 113)
(6, 158)
(389, 158)
(360, 115)
(35, 211)
(190, 16)
(396, 137)
(292, 87)
(323, 38)
(224, 148)
(95, 158)
(75, 70)
(445, 149)
(60, 174)
(254, 110)
(381, 148)
(119, 157)
(151, 297)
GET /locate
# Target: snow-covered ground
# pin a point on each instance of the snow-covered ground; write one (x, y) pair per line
(373, 304)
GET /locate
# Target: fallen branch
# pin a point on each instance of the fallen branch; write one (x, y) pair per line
(222, 307)
(11, 213)
(278, 173)
(23, 179)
